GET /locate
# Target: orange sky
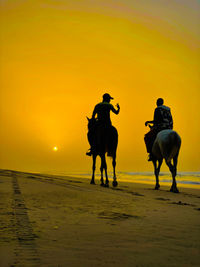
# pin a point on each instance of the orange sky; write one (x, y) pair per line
(59, 57)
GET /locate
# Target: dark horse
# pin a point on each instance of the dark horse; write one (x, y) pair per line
(102, 140)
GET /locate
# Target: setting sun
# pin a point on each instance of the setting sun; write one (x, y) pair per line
(55, 148)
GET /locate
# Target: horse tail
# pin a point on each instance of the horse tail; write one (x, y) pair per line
(175, 146)
(167, 144)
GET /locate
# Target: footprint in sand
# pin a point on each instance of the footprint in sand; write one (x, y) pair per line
(135, 194)
(116, 216)
(76, 182)
(182, 204)
(117, 189)
(162, 198)
(129, 192)
(197, 209)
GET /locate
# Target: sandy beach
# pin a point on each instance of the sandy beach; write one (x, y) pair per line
(48, 220)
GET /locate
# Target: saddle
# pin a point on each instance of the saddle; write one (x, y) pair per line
(102, 138)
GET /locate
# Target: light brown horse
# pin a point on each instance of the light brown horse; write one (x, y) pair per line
(166, 146)
(103, 139)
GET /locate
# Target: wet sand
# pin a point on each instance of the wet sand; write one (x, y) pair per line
(48, 220)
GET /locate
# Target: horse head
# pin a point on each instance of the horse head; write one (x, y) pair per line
(91, 123)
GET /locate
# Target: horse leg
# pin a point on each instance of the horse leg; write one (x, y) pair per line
(101, 169)
(174, 186)
(156, 172)
(93, 168)
(172, 169)
(115, 183)
(105, 168)
(175, 161)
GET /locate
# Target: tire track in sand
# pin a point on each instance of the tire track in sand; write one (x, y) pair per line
(26, 251)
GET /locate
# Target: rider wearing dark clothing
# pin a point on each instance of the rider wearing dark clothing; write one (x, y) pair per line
(162, 120)
(102, 110)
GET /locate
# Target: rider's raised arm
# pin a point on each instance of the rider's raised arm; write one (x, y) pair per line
(116, 111)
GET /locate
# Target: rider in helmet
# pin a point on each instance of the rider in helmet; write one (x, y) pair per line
(162, 120)
(102, 110)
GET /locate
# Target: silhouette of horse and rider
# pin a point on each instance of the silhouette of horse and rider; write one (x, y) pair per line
(103, 137)
(161, 141)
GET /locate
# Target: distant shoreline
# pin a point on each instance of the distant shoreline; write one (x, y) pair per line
(184, 179)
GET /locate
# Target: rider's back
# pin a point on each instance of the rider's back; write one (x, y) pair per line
(103, 112)
(163, 118)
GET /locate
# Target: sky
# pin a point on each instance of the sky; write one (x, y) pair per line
(57, 59)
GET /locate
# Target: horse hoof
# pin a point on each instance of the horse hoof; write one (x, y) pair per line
(174, 190)
(115, 183)
(92, 182)
(106, 185)
(157, 187)
(102, 184)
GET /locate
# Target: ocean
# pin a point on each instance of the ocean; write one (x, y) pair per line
(185, 179)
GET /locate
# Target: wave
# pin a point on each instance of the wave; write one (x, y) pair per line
(184, 178)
